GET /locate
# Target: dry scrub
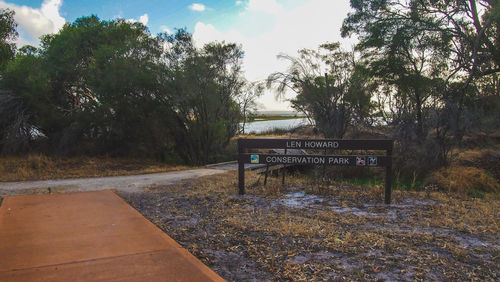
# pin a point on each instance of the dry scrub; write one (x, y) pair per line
(330, 232)
(462, 179)
(474, 170)
(38, 167)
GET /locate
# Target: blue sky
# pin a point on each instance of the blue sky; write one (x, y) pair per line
(173, 14)
(264, 28)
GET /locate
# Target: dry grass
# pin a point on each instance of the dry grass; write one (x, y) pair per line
(476, 154)
(39, 167)
(471, 171)
(348, 235)
(462, 179)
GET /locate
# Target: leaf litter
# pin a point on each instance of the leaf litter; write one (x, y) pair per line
(305, 231)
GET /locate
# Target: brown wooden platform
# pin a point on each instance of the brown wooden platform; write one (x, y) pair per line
(88, 236)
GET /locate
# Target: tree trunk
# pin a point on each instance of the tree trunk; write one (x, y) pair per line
(420, 126)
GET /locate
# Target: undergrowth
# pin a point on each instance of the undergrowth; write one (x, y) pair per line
(349, 234)
(465, 180)
(38, 167)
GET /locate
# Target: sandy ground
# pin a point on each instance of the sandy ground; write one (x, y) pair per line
(337, 233)
(130, 183)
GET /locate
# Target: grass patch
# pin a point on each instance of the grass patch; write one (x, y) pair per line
(474, 193)
(404, 184)
(364, 181)
(40, 167)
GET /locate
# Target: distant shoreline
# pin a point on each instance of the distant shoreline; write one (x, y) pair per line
(279, 113)
(271, 117)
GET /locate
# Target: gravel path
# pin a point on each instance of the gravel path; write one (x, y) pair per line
(129, 183)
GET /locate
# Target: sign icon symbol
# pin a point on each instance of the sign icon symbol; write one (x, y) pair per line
(254, 159)
(372, 161)
(360, 161)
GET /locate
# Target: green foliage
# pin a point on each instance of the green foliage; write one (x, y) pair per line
(405, 50)
(248, 104)
(109, 87)
(102, 78)
(7, 34)
(14, 132)
(431, 59)
(335, 101)
(25, 106)
(206, 113)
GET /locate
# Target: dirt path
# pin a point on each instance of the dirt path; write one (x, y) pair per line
(130, 183)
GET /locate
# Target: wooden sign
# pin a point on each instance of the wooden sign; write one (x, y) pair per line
(245, 144)
(329, 160)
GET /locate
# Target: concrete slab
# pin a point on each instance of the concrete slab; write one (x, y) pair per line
(88, 236)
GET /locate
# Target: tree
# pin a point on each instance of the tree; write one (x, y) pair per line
(7, 34)
(15, 128)
(400, 54)
(110, 87)
(431, 58)
(204, 84)
(247, 100)
(105, 83)
(25, 108)
(67, 57)
(423, 48)
(125, 80)
(333, 100)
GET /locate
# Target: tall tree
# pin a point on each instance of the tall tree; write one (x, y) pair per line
(104, 78)
(247, 100)
(400, 53)
(110, 87)
(14, 131)
(423, 48)
(8, 33)
(25, 107)
(204, 84)
(333, 100)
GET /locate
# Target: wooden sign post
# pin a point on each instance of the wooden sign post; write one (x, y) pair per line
(315, 144)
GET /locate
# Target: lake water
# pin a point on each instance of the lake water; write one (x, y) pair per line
(260, 126)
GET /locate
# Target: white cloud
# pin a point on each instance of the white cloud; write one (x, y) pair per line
(144, 19)
(204, 33)
(239, 3)
(268, 6)
(35, 22)
(165, 29)
(280, 31)
(197, 7)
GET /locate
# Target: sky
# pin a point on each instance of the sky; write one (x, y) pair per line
(264, 28)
